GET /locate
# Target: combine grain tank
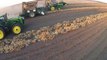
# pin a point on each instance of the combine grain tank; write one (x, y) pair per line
(30, 9)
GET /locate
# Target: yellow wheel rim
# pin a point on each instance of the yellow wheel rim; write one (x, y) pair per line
(1, 34)
(16, 29)
(52, 8)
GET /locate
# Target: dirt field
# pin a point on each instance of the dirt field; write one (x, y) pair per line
(79, 5)
(53, 18)
(88, 43)
(79, 1)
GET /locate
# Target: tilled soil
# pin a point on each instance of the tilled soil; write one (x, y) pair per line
(53, 18)
(80, 5)
(88, 43)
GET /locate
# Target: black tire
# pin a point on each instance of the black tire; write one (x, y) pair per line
(16, 28)
(2, 31)
(32, 14)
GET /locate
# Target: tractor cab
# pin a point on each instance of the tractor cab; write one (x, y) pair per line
(13, 25)
(3, 18)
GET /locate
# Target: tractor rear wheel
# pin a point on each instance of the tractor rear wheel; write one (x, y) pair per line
(2, 33)
(16, 29)
(52, 8)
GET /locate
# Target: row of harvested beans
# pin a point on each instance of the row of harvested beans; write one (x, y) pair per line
(46, 33)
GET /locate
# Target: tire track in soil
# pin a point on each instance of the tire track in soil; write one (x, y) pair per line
(80, 54)
(102, 55)
(68, 53)
(97, 48)
(84, 42)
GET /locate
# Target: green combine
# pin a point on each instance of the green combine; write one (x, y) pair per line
(14, 25)
(33, 8)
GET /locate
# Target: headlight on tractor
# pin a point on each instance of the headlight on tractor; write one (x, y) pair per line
(34, 10)
(42, 13)
(28, 11)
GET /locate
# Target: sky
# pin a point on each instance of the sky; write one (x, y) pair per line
(105, 1)
(5, 3)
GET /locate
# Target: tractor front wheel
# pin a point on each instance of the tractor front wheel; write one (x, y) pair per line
(16, 29)
(32, 14)
(2, 33)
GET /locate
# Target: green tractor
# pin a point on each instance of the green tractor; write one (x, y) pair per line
(56, 6)
(14, 25)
